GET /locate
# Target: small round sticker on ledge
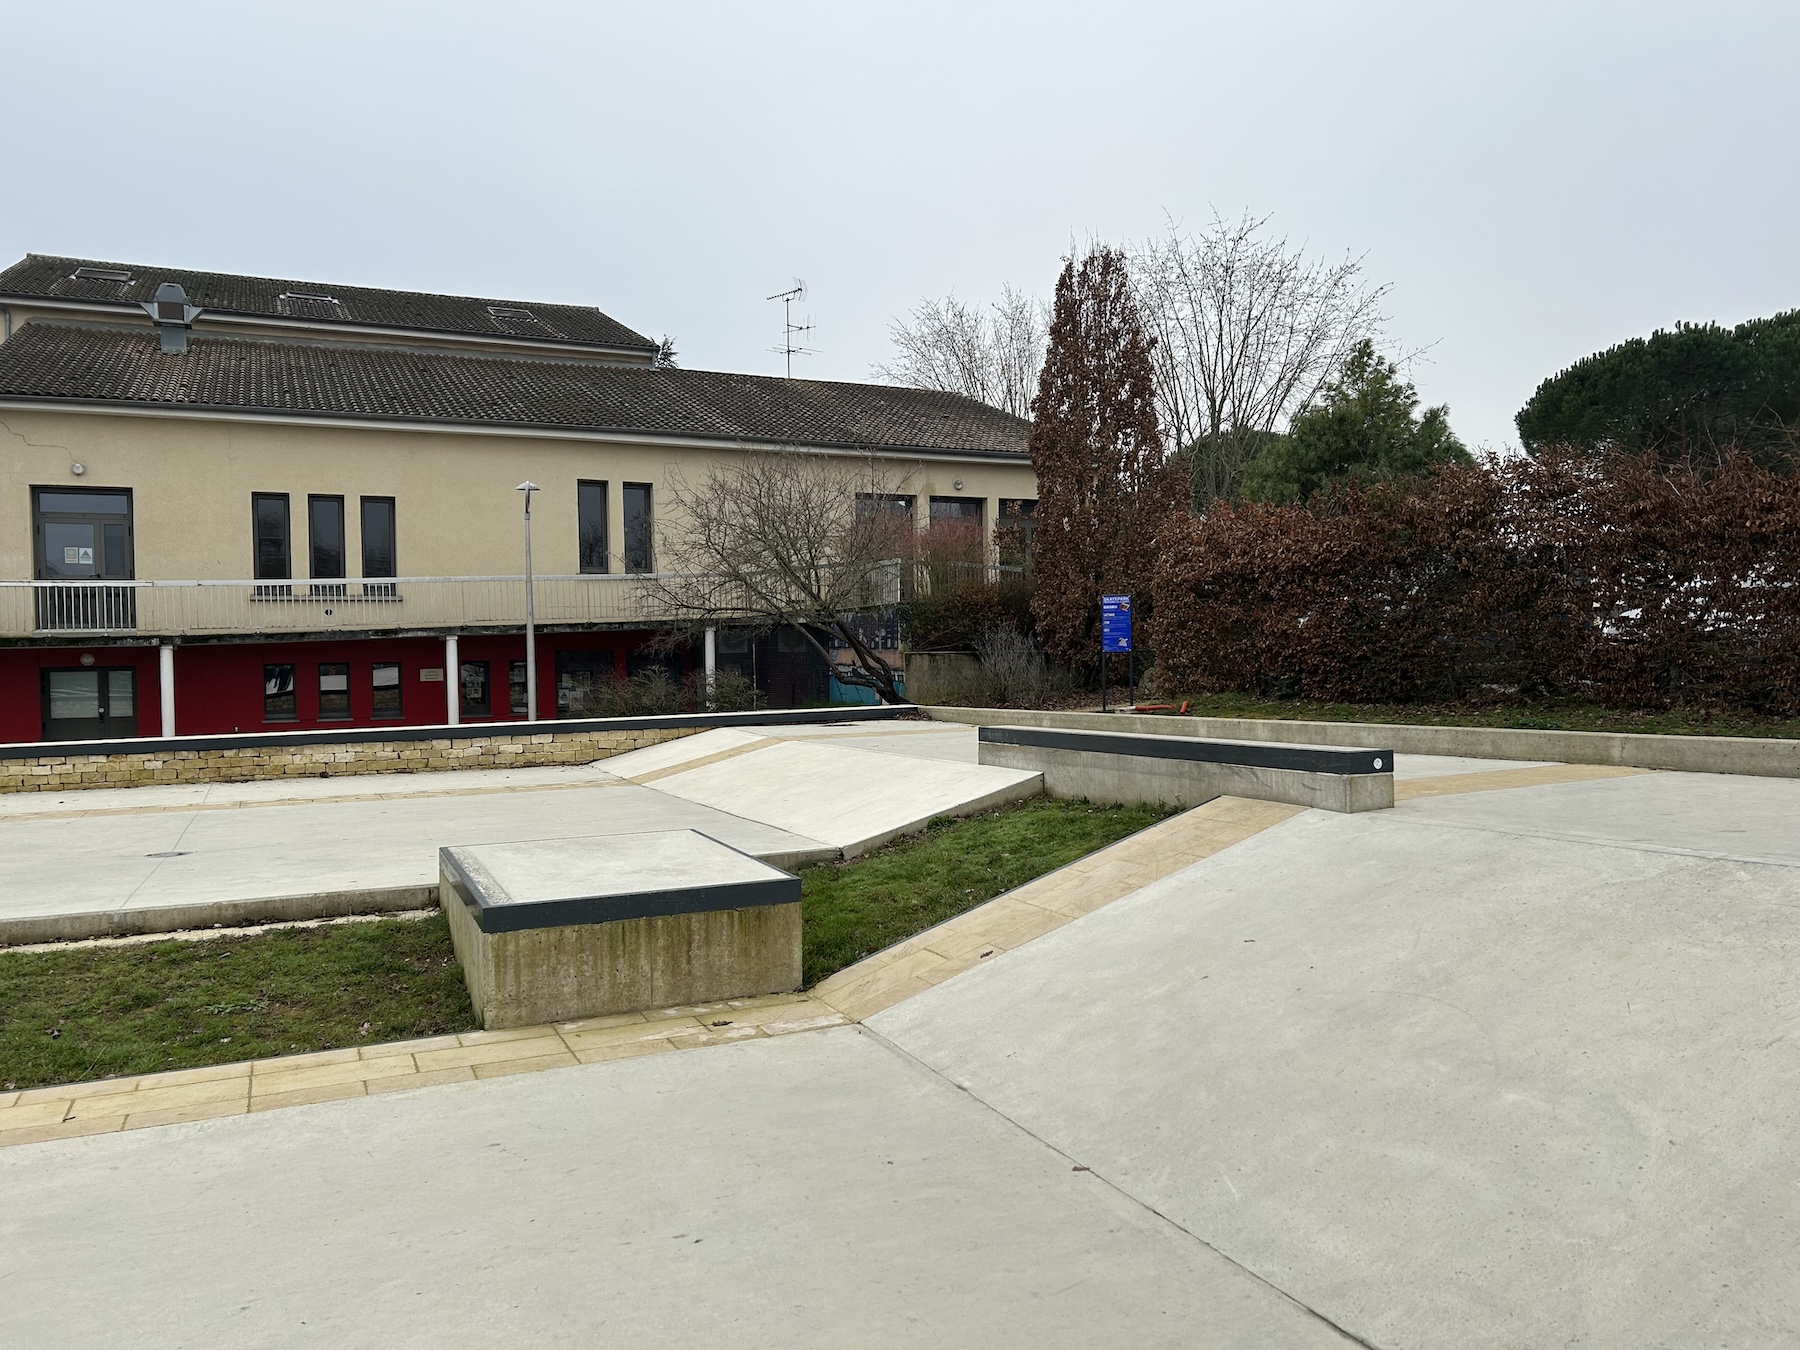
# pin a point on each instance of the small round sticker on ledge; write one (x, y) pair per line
(1378, 761)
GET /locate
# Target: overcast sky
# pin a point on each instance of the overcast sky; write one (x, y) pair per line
(1535, 180)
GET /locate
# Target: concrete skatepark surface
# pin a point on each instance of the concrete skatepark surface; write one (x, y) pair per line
(108, 850)
(1506, 1068)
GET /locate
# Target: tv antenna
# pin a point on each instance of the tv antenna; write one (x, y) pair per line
(791, 330)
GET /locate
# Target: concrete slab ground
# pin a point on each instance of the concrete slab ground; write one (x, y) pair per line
(1511, 1068)
(820, 1190)
(1506, 1068)
(108, 850)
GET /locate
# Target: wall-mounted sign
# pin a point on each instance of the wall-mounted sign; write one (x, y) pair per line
(1115, 623)
(432, 674)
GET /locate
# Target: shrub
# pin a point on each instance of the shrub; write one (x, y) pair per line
(1626, 580)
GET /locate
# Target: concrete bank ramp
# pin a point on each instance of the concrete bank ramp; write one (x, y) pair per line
(851, 799)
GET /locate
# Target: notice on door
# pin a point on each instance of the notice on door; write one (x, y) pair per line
(78, 557)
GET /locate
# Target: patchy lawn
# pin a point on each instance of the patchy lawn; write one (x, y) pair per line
(1529, 716)
(97, 1012)
(852, 910)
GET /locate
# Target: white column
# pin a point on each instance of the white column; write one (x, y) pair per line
(452, 682)
(712, 665)
(166, 686)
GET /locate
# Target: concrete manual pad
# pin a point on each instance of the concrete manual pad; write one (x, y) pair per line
(604, 870)
(1443, 1077)
(814, 1191)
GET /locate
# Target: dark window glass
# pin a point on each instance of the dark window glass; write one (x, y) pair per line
(334, 692)
(957, 511)
(515, 683)
(474, 685)
(82, 536)
(638, 528)
(279, 701)
(1017, 524)
(325, 523)
(103, 502)
(893, 504)
(379, 551)
(590, 506)
(386, 682)
(274, 557)
(734, 641)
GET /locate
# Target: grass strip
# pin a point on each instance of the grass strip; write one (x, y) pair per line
(852, 910)
(97, 1012)
(1552, 716)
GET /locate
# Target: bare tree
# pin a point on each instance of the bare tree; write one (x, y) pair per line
(991, 354)
(1248, 330)
(790, 539)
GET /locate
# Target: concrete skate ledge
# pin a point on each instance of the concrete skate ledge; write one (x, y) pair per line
(1114, 767)
(1757, 756)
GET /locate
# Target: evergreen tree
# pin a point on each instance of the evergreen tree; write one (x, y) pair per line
(1366, 424)
(1688, 394)
(1103, 488)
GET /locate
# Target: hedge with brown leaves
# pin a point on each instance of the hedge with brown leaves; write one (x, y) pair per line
(1629, 582)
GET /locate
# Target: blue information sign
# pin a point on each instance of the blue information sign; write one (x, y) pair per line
(1115, 623)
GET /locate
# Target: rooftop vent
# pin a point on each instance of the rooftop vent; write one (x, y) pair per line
(173, 315)
(301, 305)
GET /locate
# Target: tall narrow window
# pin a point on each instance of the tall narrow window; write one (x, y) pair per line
(334, 692)
(380, 553)
(279, 701)
(638, 528)
(515, 684)
(274, 555)
(325, 533)
(386, 682)
(590, 508)
(474, 683)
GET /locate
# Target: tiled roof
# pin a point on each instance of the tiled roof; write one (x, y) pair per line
(60, 362)
(269, 297)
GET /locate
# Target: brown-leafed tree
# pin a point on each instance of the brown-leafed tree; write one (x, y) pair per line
(1103, 487)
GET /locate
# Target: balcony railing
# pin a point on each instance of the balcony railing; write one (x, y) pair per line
(194, 608)
(201, 608)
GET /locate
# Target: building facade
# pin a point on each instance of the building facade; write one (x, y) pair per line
(233, 504)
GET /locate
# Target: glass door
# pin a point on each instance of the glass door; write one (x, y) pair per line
(93, 704)
(84, 534)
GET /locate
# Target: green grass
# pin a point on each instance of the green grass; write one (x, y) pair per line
(1531, 716)
(96, 1012)
(852, 910)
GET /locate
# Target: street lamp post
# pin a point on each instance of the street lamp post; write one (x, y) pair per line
(528, 487)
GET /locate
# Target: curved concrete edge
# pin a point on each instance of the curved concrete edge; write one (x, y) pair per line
(79, 927)
(1755, 756)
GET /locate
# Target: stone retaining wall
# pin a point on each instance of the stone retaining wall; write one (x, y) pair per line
(241, 764)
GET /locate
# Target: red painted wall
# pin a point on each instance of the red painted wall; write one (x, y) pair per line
(21, 685)
(219, 687)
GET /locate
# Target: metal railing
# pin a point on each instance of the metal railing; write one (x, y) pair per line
(193, 608)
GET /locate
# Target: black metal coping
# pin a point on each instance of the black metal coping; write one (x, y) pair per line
(518, 918)
(1252, 754)
(249, 740)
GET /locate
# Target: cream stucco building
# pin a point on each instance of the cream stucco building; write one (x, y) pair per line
(263, 503)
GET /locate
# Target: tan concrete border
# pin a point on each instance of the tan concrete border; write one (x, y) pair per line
(1762, 757)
